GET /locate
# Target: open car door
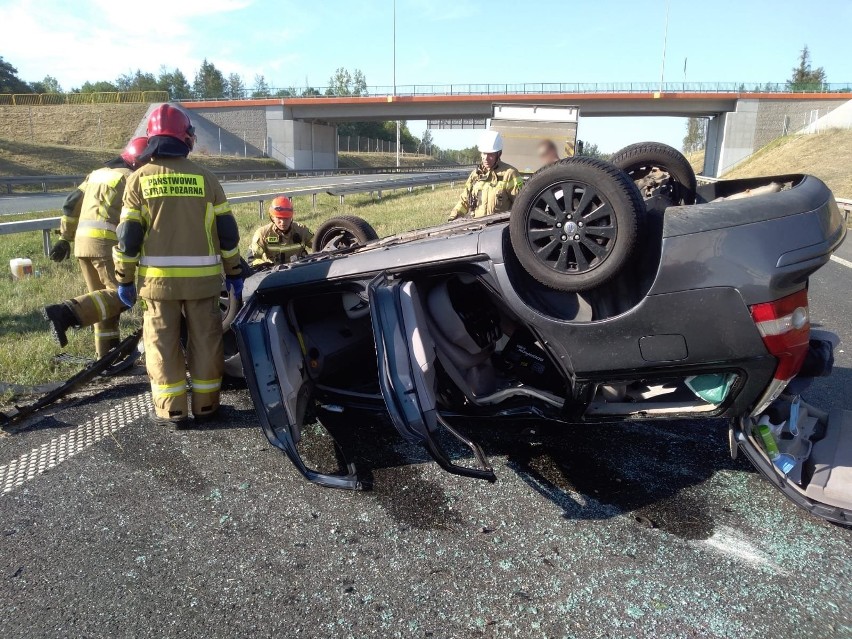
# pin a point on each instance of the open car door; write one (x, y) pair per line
(280, 388)
(407, 377)
(806, 453)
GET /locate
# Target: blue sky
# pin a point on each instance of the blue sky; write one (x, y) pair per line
(457, 41)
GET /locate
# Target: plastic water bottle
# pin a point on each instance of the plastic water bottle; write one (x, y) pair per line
(784, 462)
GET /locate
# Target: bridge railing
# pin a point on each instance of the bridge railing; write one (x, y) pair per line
(414, 90)
(254, 174)
(534, 88)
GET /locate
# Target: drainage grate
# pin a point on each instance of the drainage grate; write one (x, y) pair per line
(58, 449)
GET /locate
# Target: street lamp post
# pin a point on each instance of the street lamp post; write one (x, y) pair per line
(394, 80)
(665, 41)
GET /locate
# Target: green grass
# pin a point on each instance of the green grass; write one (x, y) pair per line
(825, 155)
(27, 349)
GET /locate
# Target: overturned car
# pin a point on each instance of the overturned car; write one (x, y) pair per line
(612, 291)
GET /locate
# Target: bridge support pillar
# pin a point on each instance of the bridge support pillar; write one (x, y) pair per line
(300, 144)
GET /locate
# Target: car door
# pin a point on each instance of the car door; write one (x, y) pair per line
(275, 375)
(812, 454)
(407, 375)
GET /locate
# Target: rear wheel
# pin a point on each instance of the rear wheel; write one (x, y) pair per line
(343, 232)
(575, 224)
(658, 169)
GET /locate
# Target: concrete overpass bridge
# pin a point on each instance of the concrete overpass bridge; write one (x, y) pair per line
(301, 131)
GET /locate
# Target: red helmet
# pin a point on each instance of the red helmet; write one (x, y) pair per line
(171, 121)
(133, 150)
(281, 208)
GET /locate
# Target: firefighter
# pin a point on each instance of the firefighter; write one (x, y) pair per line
(176, 236)
(281, 240)
(90, 216)
(492, 186)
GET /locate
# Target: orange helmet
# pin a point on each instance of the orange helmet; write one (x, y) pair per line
(281, 208)
(133, 150)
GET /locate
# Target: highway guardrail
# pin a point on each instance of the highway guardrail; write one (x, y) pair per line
(272, 174)
(46, 225)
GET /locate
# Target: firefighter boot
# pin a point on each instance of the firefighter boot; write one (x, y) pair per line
(61, 318)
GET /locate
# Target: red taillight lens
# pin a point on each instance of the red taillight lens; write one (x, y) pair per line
(785, 328)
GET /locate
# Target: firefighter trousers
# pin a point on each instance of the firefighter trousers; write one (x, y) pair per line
(167, 363)
(100, 306)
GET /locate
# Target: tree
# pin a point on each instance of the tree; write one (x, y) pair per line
(209, 81)
(359, 83)
(805, 78)
(48, 85)
(696, 135)
(340, 83)
(427, 141)
(101, 86)
(591, 150)
(137, 81)
(235, 87)
(470, 155)
(261, 88)
(174, 83)
(9, 80)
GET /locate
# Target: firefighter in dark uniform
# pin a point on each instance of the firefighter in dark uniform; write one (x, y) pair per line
(281, 240)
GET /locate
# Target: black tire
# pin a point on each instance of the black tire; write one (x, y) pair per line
(590, 243)
(344, 231)
(638, 160)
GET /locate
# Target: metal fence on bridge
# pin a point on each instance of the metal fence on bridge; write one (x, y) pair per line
(412, 90)
(112, 97)
(538, 88)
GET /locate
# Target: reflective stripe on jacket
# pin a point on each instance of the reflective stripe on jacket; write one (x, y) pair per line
(487, 192)
(91, 213)
(177, 233)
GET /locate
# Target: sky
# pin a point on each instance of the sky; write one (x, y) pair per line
(292, 42)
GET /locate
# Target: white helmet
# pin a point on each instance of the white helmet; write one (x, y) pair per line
(490, 141)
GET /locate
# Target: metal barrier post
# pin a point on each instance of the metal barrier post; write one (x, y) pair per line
(45, 236)
(260, 209)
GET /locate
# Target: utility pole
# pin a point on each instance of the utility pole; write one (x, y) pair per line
(665, 40)
(394, 80)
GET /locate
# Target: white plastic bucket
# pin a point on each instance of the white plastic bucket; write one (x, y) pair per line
(21, 267)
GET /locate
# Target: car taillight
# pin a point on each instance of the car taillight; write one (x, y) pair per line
(785, 328)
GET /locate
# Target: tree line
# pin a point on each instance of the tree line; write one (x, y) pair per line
(210, 82)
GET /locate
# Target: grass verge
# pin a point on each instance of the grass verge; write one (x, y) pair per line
(824, 155)
(27, 349)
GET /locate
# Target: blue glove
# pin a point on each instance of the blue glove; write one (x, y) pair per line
(127, 294)
(235, 286)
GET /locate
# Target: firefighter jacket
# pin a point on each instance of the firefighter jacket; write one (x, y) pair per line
(487, 192)
(273, 246)
(176, 233)
(91, 213)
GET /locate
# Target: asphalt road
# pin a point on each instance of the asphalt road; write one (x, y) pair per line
(37, 202)
(634, 530)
